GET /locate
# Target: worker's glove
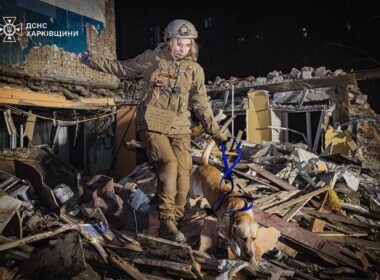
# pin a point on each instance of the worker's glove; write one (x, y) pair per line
(220, 138)
(83, 57)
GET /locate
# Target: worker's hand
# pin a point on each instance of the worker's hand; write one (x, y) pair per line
(83, 57)
(220, 138)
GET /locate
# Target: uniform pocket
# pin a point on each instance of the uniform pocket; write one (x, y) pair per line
(152, 152)
(183, 152)
(187, 159)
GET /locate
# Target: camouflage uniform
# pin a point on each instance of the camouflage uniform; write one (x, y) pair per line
(174, 87)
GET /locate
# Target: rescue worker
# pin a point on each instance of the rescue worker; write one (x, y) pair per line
(175, 85)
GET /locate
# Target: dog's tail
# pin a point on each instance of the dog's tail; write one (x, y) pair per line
(206, 153)
(211, 143)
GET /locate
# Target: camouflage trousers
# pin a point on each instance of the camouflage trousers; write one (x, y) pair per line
(171, 157)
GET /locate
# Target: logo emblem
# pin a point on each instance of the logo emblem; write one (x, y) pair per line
(183, 30)
(10, 29)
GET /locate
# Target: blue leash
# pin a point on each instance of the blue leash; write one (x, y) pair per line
(228, 176)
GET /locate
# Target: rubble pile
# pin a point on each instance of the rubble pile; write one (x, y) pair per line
(273, 77)
(366, 123)
(54, 75)
(321, 203)
(95, 84)
(324, 216)
(318, 212)
(64, 226)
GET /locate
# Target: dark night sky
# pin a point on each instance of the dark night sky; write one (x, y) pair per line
(253, 38)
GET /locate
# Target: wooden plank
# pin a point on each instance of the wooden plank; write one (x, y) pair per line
(339, 234)
(360, 210)
(339, 227)
(298, 199)
(274, 199)
(172, 251)
(317, 225)
(327, 180)
(295, 209)
(305, 238)
(15, 96)
(302, 274)
(266, 174)
(371, 245)
(125, 266)
(287, 250)
(35, 237)
(182, 269)
(340, 218)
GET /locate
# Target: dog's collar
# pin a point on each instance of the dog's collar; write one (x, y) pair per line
(249, 204)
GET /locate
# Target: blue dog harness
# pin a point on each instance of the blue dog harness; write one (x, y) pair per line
(228, 176)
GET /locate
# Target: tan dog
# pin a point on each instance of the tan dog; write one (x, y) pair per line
(239, 228)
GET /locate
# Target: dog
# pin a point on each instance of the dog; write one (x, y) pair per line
(239, 228)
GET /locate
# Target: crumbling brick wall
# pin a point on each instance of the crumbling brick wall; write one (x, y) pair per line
(104, 43)
(367, 127)
(52, 61)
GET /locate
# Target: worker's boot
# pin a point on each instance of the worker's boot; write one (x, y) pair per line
(169, 230)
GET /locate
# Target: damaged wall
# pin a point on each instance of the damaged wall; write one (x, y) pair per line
(307, 103)
(365, 124)
(41, 69)
(52, 35)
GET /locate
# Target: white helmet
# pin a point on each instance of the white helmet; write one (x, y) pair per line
(180, 28)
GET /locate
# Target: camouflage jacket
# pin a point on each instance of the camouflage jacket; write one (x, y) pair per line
(173, 89)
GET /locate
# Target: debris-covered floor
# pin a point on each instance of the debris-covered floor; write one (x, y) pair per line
(315, 197)
(324, 218)
(309, 139)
